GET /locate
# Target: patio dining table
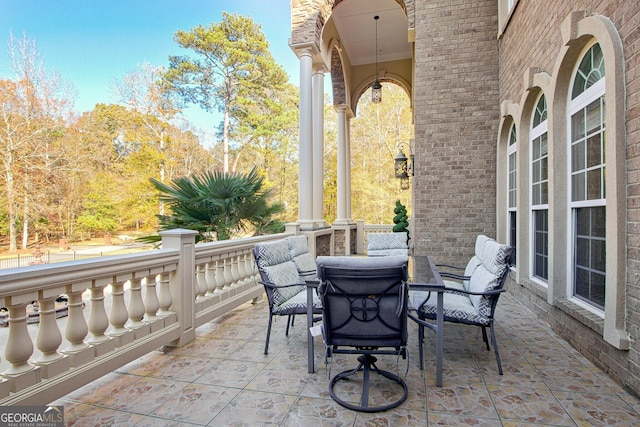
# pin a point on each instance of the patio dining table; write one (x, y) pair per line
(423, 276)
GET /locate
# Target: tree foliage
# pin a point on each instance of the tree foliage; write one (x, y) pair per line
(230, 70)
(218, 205)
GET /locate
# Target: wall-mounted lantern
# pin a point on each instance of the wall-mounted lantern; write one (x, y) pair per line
(403, 166)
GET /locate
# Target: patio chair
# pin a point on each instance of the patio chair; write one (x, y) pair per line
(302, 258)
(365, 313)
(386, 244)
(470, 298)
(285, 288)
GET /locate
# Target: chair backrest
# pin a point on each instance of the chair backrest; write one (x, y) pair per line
(387, 244)
(474, 262)
(495, 260)
(302, 258)
(364, 301)
(276, 267)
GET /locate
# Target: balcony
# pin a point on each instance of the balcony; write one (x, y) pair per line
(153, 351)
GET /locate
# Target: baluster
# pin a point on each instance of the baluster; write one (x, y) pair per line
(164, 294)
(220, 285)
(136, 305)
(235, 271)
(118, 315)
(242, 276)
(19, 347)
(228, 277)
(210, 278)
(49, 337)
(151, 302)
(98, 320)
(249, 267)
(201, 284)
(76, 330)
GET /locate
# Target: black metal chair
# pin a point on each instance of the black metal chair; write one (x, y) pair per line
(285, 288)
(365, 312)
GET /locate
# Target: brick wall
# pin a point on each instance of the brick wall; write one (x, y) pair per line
(456, 120)
(527, 43)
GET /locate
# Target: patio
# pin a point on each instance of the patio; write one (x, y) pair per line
(223, 378)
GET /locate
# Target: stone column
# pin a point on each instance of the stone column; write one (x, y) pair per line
(305, 171)
(318, 147)
(343, 164)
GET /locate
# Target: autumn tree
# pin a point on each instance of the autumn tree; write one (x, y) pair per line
(34, 109)
(230, 69)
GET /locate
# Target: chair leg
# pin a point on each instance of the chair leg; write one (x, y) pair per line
(495, 347)
(266, 345)
(288, 323)
(484, 337)
(420, 345)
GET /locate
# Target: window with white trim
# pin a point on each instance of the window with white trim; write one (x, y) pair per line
(512, 191)
(587, 179)
(540, 192)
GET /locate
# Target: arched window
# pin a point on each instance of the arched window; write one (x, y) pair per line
(512, 190)
(540, 192)
(587, 199)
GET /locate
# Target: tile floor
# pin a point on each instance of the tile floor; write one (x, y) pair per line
(224, 379)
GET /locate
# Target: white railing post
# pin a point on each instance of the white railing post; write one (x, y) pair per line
(49, 339)
(151, 303)
(182, 282)
(136, 305)
(98, 319)
(118, 315)
(210, 278)
(164, 294)
(76, 331)
(19, 349)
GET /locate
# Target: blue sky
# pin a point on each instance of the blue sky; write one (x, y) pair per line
(91, 43)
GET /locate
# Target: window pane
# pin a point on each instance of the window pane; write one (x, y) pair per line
(535, 171)
(598, 221)
(578, 191)
(598, 255)
(594, 184)
(544, 198)
(541, 235)
(597, 288)
(594, 150)
(593, 119)
(578, 156)
(590, 255)
(577, 126)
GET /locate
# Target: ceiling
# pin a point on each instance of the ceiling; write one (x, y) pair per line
(357, 28)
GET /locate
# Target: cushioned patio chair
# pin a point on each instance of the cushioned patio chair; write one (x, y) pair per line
(470, 298)
(286, 290)
(365, 313)
(386, 244)
(302, 258)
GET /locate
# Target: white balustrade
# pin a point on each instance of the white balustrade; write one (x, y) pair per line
(105, 330)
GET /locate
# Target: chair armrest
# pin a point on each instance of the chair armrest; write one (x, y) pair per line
(453, 276)
(486, 293)
(273, 285)
(455, 267)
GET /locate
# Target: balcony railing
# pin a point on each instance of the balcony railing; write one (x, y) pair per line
(137, 303)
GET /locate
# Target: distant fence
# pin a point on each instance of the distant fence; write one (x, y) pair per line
(45, 258)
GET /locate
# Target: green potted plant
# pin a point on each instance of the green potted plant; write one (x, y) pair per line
(401, 219)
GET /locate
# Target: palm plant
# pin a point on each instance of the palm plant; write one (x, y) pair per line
(219, 206)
